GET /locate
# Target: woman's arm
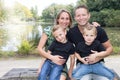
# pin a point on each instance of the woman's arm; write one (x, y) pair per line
(40, 66)
(41, 46)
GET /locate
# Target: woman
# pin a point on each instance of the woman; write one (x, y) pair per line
(63, 19)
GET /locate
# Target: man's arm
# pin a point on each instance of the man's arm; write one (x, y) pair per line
(72, 62)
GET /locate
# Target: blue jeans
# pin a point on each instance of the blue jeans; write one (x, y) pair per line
(97, 68)
(50, 71)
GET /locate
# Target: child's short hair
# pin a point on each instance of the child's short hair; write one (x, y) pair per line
(56, 27)
(90, 27)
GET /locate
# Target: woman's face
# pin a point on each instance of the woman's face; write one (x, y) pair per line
(64, 20)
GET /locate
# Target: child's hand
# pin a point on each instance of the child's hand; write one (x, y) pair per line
(85, 60)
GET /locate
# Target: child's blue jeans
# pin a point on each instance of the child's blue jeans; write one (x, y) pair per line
(97, 68)
(50, 71)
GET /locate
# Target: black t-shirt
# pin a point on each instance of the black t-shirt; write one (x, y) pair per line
(62, 49)
(85, 50)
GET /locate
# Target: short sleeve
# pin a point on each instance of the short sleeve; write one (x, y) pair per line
(102, 35)
(72, 50)
(51, 46)
(48, 32)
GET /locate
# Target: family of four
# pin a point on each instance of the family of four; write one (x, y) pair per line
(86, 42)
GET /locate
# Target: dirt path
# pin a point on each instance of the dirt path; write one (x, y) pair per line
(112, 62)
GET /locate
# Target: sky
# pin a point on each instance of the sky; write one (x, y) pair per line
(41, 4)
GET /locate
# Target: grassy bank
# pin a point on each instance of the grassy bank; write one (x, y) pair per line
(114, 36)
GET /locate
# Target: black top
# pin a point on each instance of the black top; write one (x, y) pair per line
(85, 50)
(62, 49)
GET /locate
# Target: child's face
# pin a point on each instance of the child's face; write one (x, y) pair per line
(89, 36)
(60, 35)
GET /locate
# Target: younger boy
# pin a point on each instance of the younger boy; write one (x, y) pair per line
(60, 46)
(84, 49)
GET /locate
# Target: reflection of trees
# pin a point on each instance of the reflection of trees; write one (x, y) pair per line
(3, 37)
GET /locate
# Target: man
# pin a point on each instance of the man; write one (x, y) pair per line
(82, 17)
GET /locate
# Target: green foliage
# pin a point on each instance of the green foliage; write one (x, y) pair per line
(25, 48)
(49, 14)
(112, 18)
(7, 53)
(22, 12)
(81, 2)
(34, 11)
(3, 12)
(98, 5)
(98, 17)
(113, 34)
(106, 17)
(70, 8)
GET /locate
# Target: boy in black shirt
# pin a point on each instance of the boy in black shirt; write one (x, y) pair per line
(60, 46)
(84, 49)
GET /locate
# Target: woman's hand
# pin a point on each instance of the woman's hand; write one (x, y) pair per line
(58, 59)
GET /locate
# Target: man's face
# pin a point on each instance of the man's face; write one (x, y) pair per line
(82, 16)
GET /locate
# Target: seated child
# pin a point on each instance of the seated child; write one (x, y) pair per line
(60, 46)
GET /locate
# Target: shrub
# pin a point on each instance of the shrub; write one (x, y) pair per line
(25, 48)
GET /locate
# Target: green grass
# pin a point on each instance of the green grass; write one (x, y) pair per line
(114, 36)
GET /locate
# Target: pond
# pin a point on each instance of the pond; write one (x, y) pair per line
(16, 32)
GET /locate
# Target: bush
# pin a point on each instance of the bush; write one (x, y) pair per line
(25, 48)
(106, 17)
(112, 18)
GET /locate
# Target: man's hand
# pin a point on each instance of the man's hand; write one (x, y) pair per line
(92, 58)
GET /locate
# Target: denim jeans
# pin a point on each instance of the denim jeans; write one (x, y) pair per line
(50, 71)
(97, 68)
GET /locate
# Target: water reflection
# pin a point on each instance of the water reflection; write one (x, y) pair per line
(17, 32)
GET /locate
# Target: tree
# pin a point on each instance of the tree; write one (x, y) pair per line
(34, 12)
(22, 11)
(3, 12)
(49, 14)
